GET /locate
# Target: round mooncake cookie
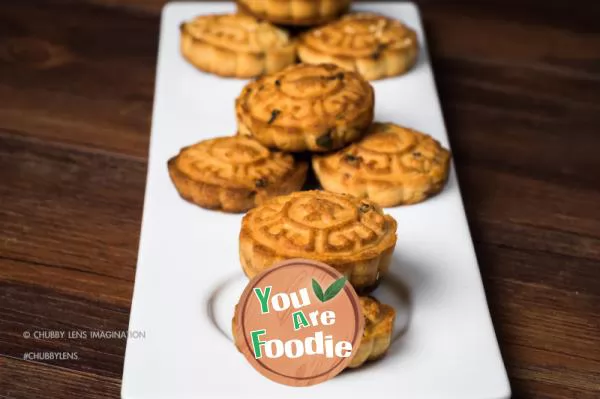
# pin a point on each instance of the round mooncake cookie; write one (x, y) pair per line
(371, 44)
(377, 336)
(234, 174)
(236, 45)
(294, 12)
(306, 107)
(392, 165)
(349, 234)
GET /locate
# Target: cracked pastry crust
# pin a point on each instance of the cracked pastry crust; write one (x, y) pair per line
(306, 108)
(392, 165)
(294, 12)
(373, 45)
(377, 336)
(234, 174)
(235, 45)
(354, 236)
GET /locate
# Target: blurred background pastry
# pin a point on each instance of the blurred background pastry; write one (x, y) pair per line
(294, 12)
(235, 45)
(371, 44)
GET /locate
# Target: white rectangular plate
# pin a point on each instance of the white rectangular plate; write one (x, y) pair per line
(189, 277)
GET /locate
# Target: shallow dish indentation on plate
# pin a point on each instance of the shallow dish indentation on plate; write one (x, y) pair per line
(222, 301)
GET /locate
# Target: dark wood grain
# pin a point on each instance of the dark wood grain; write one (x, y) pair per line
(520, 88)
(40, 381)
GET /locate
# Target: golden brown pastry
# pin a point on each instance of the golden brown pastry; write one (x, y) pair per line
(392, 165)
(294, 12)
(371, 44)
(306, 107)
(234, 174)
(354, 236)
(377, 336)
(236, 45)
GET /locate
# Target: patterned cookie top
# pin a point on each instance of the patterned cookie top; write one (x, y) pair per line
(321, 225)
(315, 96)
(387, 153)
(238, 33)
(234, 162)
(360, 35)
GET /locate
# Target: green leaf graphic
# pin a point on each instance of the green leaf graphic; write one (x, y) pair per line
(334, 289)
(317, 290)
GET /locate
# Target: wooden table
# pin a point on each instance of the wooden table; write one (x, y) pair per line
(520, 84)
